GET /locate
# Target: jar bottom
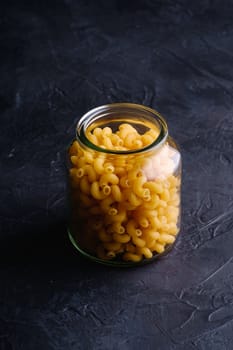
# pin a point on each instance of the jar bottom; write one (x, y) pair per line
(118, 262)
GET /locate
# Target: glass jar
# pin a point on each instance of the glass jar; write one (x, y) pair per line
(124, 185)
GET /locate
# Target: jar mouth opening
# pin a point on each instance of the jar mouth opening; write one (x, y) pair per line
(141, 117)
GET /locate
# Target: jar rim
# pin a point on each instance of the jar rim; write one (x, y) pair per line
(108, 109)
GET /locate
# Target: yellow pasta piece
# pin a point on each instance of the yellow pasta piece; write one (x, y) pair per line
(150, 235)
(124, 182)
(172, 181)
(130, 247)
(111, 254)
(128, 206)
(120, 217)
(143, 222)
(85, 185)
(116, 193)
(150, 244)
(125, 130)
(165, 238)
(163, 220)
(132, 257)
(146, 252)
(96, 191)
(107, 132)
(98, 165)
(154, 187)
(113, 246)
(98, 133)
(74, 159)
(93, 138)
(88, 156)
(118, 228)
(121, 238)
(175, 202)
(109, 168)
(107, 143)
(119, 171)
(117, 141)
(74, 149)
(131, 227)
(129, 140)
(138, 241)
(108, 179)
(80, 162)
(134, 174)
(103, 236)
(134, 200)
(155, 223)
(129, 166)
(112, 212)
(86, 201)
(106, 190)
(173, 229)
(90, 172)
(138, 232)
(138, 187)
(147, 139)
(172, 213)
(120, 162)
(153, 203)
(74, 179)
(165, 195)
(105, 204)
(150, 213)
(162, 203)
(137, 144)
(159, 248)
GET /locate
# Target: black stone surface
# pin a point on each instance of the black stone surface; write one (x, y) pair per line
(58, 60)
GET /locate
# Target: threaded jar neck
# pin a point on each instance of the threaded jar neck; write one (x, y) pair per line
(112, 115)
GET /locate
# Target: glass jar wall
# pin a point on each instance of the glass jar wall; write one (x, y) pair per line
(124, 185)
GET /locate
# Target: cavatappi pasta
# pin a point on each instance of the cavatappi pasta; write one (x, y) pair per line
(126, 206)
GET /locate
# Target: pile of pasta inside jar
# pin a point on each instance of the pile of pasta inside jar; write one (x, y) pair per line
(124, 194)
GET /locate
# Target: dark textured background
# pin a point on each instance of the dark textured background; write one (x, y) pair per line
(59, 59)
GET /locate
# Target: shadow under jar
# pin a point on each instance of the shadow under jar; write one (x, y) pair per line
(124, 179)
